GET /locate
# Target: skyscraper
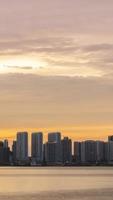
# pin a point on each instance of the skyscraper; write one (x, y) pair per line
(50, 153)
(1, 153)
(110, 138)
(100, 151)
(88, 152)
(77, 152)
(110, 149)
(66, 150)
(22, 147)
(14, 152)
(106, 152)
(37, 147)
(54, 137)
(5, 144)
(4, 153)
(54, 142)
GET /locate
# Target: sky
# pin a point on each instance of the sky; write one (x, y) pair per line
(56, 67)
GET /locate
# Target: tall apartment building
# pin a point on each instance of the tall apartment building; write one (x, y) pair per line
(37, 147)
(22, 147)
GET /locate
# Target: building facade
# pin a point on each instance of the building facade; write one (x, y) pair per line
(37, 147)
(66, 150)
(22, 147)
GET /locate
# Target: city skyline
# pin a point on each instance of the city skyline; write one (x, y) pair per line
(56, 67)
(56, 151)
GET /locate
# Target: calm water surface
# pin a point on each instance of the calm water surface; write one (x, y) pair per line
(86, 183)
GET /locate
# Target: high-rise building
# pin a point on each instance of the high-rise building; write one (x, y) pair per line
(1, 144)
(88, 152)
(66, 150)
(37, 147)
(100, 151)
(5, 144)
(110, 138)
(4, 153)
(106, 152)
(22, 147)
(14, 152)
(53, 148)
(77, 152)
(110, 149)
(51, 153)
(54, 137)
(1, 153)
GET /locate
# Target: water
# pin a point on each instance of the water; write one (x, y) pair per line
(87, 183)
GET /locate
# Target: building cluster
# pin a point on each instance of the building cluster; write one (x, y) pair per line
(56, 151)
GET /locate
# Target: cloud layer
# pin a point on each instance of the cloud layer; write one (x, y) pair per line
(31, 100)
(57, 37)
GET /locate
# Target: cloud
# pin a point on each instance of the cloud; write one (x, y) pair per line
(66, 36)
(59, 53)
(32, 100)
(20, 67)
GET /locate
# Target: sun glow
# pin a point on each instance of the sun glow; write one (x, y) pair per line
(21, 64)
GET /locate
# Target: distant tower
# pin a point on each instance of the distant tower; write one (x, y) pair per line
(66, 150)
(110, 138)
(50, 153)
(77, 152)
(110, 149)
(53, 152)
(37, 147)
(22, 146)
(54, 137)
(100, 151)
(4, 152)
(88, 152)
(14, 150)
(5, 144)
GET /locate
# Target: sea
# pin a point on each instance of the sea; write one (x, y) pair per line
(56, 183)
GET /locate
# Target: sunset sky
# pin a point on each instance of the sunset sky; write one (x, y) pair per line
(56, 67)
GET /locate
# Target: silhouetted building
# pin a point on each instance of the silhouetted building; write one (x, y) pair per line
(14, 152)
(66, 150)
(5, 144)
(110, 151)
(1, 144)
(51, 153)
(88, 152)
(77, 152)
(4, 153)
(22, 147)
(100, 151)
(1, 153)
(37, 147)
(106, 152)
(110, 138)
(55, 137)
